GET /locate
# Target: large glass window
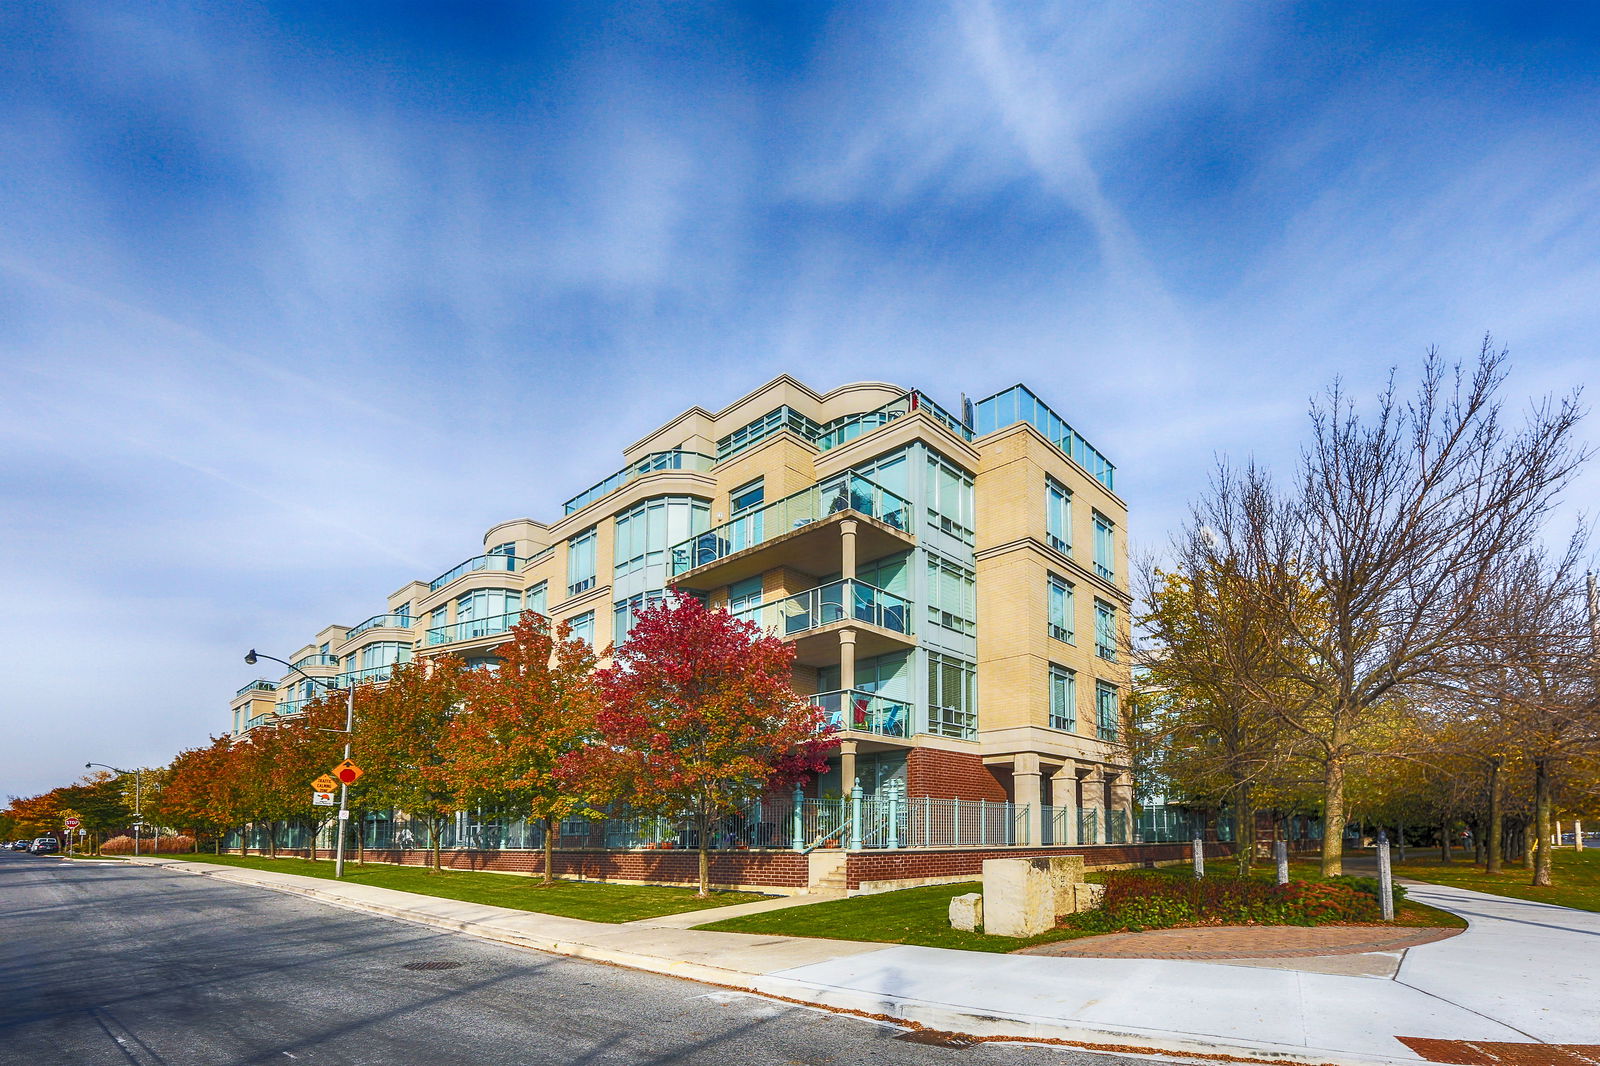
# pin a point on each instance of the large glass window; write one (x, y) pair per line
(891, 574)
(583, 626)
(888, 675)
(1063, 698)
(743, 501)
(1105, 547)
(537, 598)
(384, 653)
(1058, 515)
(644, 532)
(1105, 630)
(487, 603)
(581, 562)
(763, 427)
(438, 617)
(626, 612)
(951, 601)
(743, 594)
(1105, 710)
(1061, 610)
(949, 499)
(952, 697)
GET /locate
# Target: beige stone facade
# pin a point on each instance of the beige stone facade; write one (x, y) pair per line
(955, 585)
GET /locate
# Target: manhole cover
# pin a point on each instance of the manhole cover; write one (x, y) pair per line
(438, 964)
(937, 1038)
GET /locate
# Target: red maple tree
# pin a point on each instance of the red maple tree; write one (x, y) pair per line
(701, 718)
(519, 744)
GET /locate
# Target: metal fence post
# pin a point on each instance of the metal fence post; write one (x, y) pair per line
(983, 821)
(955, 825)
(797, 826)
(894, 818)
(1385, 879)
(855, 816)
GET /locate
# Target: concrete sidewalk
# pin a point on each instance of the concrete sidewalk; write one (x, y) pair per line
(1523, 972)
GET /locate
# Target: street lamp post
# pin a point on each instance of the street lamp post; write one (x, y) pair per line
(349, 727)
(138, 797)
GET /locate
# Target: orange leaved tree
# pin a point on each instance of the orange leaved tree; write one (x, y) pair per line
(519, 744)
(701, 718)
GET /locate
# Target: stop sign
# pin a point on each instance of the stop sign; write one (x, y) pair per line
(72, 823)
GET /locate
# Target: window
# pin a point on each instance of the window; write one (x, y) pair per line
(951, 601)
(744, 594)
(583, 627)
(952, 697)
(644, 532)
(747, 496)
(891, 574)
(537, 598)
(324, 649)
(1061, 610)
(1058, 515)
(1105, 547)
(769, 423)
(581, 562)
(508, 548)
(1105, 630)
(626, 612)
(483, 662)
(486, 603)
(402, 615)
(1105, 710)
(439, 617)
(949, 499)
(1063, 698)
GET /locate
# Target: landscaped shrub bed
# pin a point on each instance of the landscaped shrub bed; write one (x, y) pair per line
(1137, 901)
(161, 845)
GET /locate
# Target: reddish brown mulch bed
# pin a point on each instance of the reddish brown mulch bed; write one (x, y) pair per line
(1244, 942)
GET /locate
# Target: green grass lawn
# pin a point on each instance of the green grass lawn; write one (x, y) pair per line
(1576, 875)
(588, 900)
(922, 916)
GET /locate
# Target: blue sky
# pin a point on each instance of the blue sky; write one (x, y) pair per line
(296, 300)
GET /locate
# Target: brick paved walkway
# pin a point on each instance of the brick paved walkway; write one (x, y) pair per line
(1245, 942)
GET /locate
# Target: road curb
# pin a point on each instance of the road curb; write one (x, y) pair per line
(914, 1013)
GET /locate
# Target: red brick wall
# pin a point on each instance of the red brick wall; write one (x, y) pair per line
(951, 775)
(907, 864)
(779, 869)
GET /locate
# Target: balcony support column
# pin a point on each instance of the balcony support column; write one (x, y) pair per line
(847, 766)
(847, 665)
(1026, 791)
(1064, 801)
(847, 549)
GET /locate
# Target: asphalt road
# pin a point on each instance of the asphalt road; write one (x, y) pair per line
(119, 964)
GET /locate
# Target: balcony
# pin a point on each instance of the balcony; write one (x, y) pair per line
(811, 619)
(377, 621)
(375, 674)
(865, 712)
(843, 430)
(321, 659)
(473, 628)
(256, 686)
(673, 460)
(507, 563)
(799, 531)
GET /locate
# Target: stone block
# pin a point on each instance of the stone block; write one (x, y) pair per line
(1086, 897)
(966, 912)
(1018, 897)
(1065, 872)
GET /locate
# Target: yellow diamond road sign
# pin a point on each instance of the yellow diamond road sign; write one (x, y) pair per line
(324, 783)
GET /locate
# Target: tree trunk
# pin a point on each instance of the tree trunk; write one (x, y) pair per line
(435, 828)
(549, 850)
(1246, 836)
(1333, 817)
(272, 839)
(1541, 834)
(1496, 830)
(705, 855)
(1400, 839)
(1444, 841)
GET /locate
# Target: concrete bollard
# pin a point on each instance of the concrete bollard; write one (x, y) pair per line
(1066, 872)
(966, 912)
(1199, 858)
(1018, 897)
(1281, 849)
(1385, 880)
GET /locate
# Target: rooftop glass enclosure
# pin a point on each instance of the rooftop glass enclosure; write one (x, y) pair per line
(1019, 404)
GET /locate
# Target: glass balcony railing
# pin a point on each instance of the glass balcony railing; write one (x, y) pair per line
(256, 686)
(1019, 404)
(868, 712)
(473, 628)
(321, 659)
(396, 621)
(847, 493)
(673, 460)
(539, 556)
(477, 562)
(842, 430)
(362, 677)
(841, 601)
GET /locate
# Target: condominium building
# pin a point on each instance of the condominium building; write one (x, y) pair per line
(954, 584)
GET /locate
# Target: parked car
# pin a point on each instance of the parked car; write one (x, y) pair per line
(21, 845)
(45, 846)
